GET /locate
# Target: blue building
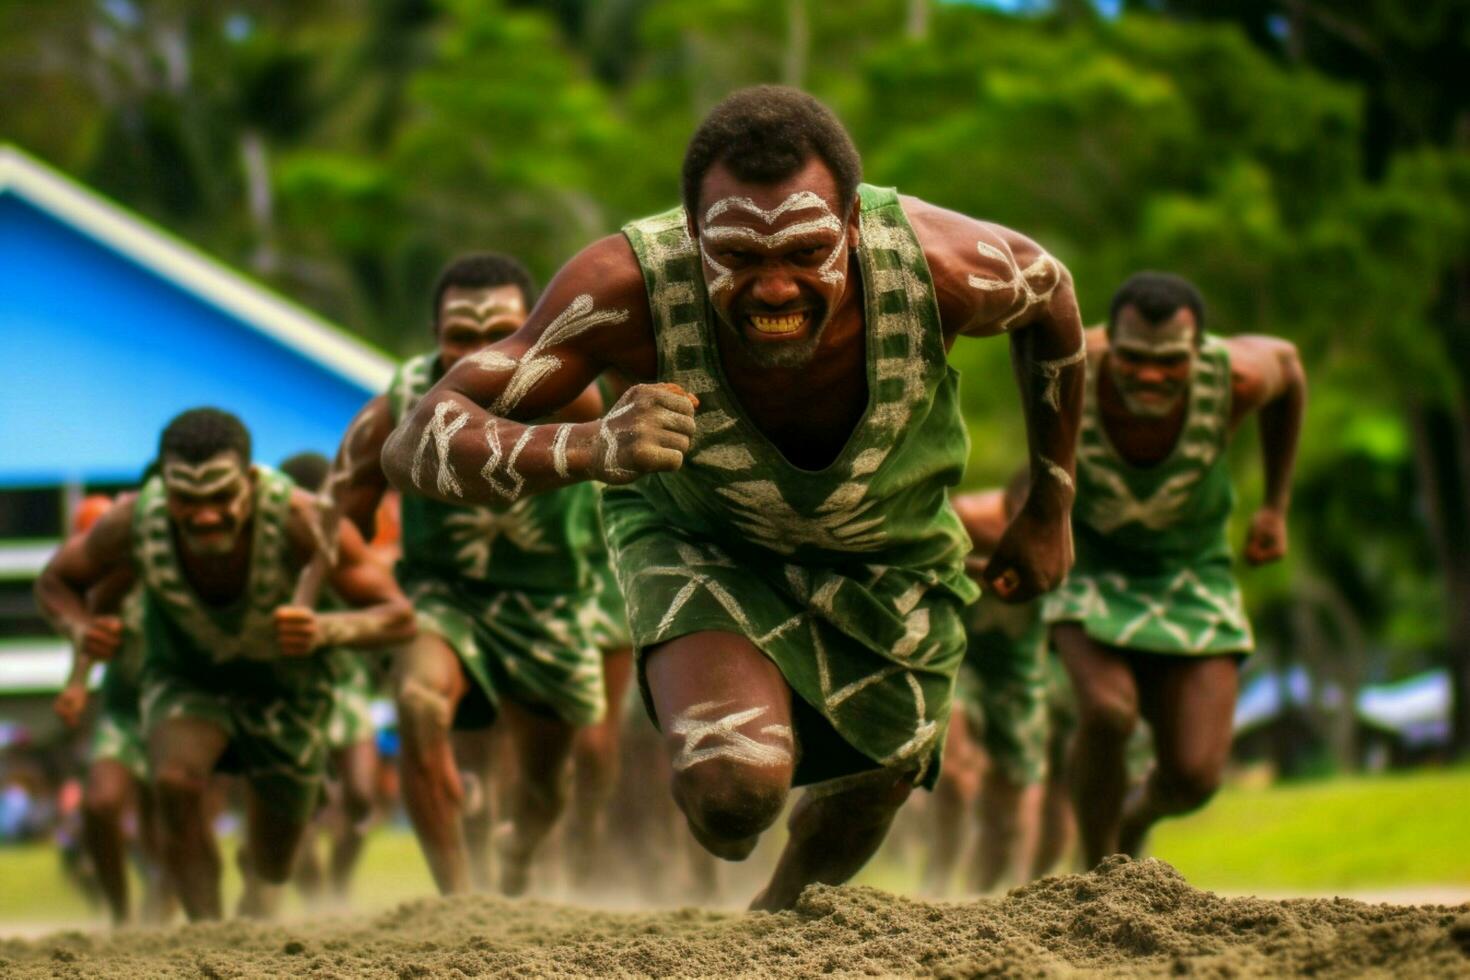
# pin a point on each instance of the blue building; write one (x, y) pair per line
(108, 328)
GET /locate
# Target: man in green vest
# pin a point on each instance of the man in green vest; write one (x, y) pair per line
(504, 593)
(1150, 621)
(779, 518)
(231, 671)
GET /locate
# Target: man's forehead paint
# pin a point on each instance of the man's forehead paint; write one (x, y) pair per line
(1167, 339)
(200, 479)
(478, 315)
(800, 201)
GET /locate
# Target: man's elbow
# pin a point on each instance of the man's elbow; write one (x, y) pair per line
(394, 460)
(402, 625)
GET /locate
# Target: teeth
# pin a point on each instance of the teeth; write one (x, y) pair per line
(790, 323)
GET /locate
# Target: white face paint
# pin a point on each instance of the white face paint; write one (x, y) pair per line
(1150, 364)
(471, 317)
(715, 234)
(209, 502)
(707, 738)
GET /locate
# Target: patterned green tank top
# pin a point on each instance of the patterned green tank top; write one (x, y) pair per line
(1152, 519)
(882, 501)
(540, 542)
(245, 629)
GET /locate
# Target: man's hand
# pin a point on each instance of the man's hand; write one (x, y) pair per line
(1033, 555)
(647, 431)
(298, 632)
(70, 703)
(1266, 541)
(100, 638)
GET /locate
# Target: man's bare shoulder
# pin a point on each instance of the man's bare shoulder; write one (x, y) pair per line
(603, 282)
(1261, 366)
(980, 269)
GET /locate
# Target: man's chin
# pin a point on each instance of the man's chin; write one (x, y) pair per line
(792, 349)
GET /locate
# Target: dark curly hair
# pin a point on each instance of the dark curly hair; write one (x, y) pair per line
(200, 433)
(766, 133)
(1157, 296)
(483, 270)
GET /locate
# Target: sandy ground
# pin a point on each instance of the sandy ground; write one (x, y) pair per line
(1123, 919)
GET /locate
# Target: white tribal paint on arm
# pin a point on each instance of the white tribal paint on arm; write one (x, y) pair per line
(1055, 471)
(708, 738)
(1032, 285)
(1052, 372)
(441, 430)
(535, 365)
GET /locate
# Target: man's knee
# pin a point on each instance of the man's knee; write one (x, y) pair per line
(425, 710)
(1106, 715)
(179, 783)
(1187, 786)
(731, 801)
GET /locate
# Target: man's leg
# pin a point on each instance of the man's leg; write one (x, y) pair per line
(1190, 705)
(430, 683)
(543, 749)
(950, 804)
(834, 831)
(184, 752)
(159, 902)
(272, 839)
(480, 756)
(1107, 713)
(109, 789)
(1058, 822)
(1010, 826)
(595, 768)
(725, 712)
(356, 766)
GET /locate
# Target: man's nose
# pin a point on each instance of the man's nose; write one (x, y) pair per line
(775, 289)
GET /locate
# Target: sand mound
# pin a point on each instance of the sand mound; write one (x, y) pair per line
(1124, 918)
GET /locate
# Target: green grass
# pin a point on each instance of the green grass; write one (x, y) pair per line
(1350, 834)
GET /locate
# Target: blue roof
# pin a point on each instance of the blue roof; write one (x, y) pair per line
(109, 327)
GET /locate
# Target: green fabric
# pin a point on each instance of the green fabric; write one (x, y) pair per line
(121, 677)
(540, 542)
(608, 625)
(1008, 695)
(351, 720)
(532, 647)
(1153, 563)
(511, 589)
(849, 578)
(120, 739)
(221, 665)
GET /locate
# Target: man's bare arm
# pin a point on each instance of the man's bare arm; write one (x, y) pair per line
(1267, 378)
(355, 484)
(102, 555)
(382, 615)
(991, 280)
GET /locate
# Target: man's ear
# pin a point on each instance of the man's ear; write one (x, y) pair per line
(689, 227)
(855, 222)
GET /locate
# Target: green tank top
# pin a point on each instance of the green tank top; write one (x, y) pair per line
(1152, 519)
(121, 678)
(883, 500)
(539, 542)
(245, 629)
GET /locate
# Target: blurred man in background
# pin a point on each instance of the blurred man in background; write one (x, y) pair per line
(231, 673)
(1150, 621)
(504, 595)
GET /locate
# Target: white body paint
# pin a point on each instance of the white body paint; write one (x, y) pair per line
(707, 738)
(1052, 372)
(447, 421)
(536, 364)
(1032, 285)
(712, 235)
(203, 479)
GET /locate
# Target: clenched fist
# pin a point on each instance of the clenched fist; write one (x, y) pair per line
(1033, 555)
(100, 638)
(70, 703)
(298, 631)
(647, 431)
(1266, 541)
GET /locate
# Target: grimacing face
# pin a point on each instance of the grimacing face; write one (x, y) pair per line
(775, 258)
(1150, 363)
(210, 502)
(472, 318)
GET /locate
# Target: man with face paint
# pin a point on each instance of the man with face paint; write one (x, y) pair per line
(780, 521)
(231, 671)
(504, 593)
(1150, 621)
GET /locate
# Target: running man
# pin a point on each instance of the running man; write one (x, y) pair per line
(117, 771)
(502, 592)
(230, 667)
(780, 525)
(1150, 621)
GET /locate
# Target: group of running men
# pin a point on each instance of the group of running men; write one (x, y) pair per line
(748, 398)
